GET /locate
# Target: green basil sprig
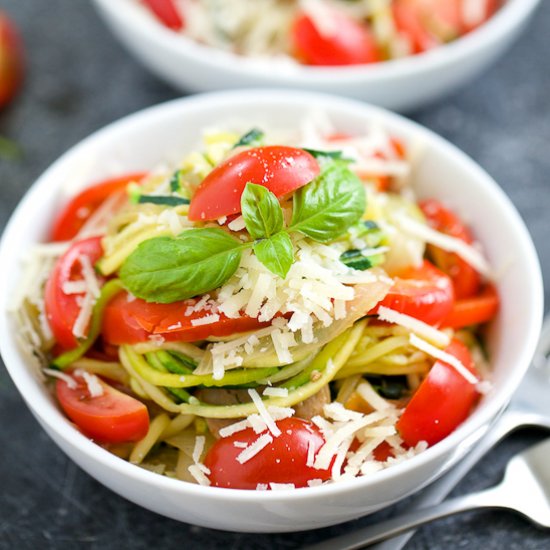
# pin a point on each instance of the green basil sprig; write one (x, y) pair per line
(276, 253)
(261, 211)
(166, 269)
(324, 209)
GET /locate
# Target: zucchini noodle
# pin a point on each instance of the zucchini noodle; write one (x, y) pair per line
(266, 312)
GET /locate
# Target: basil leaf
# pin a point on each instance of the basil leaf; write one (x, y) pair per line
(253, 137)
(166, 269)
(261, 211)
(326, 207)
(276, 253)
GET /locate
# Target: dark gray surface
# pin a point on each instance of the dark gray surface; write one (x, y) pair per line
(78, 80)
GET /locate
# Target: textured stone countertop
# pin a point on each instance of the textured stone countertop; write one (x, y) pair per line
(79, 79)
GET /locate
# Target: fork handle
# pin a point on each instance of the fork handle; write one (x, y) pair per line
(435, 493)
(491, 498)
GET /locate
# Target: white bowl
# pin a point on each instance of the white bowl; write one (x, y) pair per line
(141, 141)
(400, 85)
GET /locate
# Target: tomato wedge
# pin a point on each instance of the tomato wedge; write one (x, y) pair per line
(279, 168)
(424, 292)
(62, 309)
(475, 310)
(11, 60)
(83, 205)
(466, 280)
(128, 320)
(112, 417)
(284, 460)
(441, 403)
(347, 42)
(167, 13)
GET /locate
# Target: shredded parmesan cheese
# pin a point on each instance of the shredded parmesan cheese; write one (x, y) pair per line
(252, 450)
(276, 392)
(264, 413)
(61, 376)
(84, 316)
(199, 475)
(200, 440)
(206, 320)
(436, 353)
(451, 244)
(92, 382)
(415, 325)
(234, 428)
(366, 391)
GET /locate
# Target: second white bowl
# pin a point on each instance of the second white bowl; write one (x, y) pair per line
(400, 85)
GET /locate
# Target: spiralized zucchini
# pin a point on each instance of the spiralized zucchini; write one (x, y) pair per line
(343, 358)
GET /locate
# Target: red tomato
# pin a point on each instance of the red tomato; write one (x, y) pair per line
(135, 320)
(83, 205)
(441, 403)
(281, 169)
(282, 461)
(487, 10)
(410, 25)
(348, 43)
(473, 311)
(466, 280)
(428, 23)
(112, 417)
(424, 292)
(167, 13)
(11, 60)
(383, 452)
(63, 309)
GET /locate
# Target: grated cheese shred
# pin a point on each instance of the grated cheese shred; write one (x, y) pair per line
(436, 353)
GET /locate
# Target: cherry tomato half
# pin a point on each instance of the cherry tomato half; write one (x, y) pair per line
(466, 280)
(129, 321)
(441, 403)
(63, 309)
(167, 13)
(281, 169)
(475, 310)
(282, 461)
(83, 205)
(428, 23)
(112, 417)
(424, 292)
(409, 25)
(11, 60)
(349, 43)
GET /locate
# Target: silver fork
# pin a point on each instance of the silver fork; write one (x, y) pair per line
(524, 489)
(529, 407)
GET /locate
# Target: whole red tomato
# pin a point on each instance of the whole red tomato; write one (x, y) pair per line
(11, 60)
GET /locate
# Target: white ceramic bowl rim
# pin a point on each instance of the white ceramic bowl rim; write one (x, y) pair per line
(44, 408)
(502, 23)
